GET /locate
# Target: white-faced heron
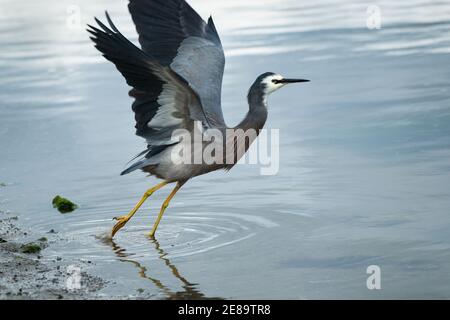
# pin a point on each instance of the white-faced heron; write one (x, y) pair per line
(177, 81)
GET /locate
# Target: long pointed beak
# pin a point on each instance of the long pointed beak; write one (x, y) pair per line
(292, 80)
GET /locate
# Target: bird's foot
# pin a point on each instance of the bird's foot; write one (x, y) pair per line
(121, 221)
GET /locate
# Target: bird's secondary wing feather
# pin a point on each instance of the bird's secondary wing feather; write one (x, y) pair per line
(174, 34)
(164, 101)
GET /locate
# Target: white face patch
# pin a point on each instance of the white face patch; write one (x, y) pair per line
(272, 86)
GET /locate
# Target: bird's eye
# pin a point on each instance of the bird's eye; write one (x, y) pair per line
(276, 81)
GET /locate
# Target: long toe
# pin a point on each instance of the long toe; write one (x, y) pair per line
(121, 221)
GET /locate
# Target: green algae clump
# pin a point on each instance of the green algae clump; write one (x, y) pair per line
(31, 248)
(63, 205)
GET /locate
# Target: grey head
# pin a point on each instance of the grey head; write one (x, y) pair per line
(267, 83)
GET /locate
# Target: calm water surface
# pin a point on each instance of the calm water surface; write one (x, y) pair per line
(364, 148)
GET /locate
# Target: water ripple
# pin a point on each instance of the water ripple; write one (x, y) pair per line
(186, 234)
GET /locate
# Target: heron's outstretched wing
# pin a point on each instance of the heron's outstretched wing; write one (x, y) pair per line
(173, 33)
(164, 101)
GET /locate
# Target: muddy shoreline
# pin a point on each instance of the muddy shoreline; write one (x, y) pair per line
(26, 274)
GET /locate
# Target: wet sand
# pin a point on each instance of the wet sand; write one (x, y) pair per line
(26, 276)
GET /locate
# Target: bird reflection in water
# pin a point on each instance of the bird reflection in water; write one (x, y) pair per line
(190, 290)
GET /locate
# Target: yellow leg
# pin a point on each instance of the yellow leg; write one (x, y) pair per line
(121, 221)
(163, 208)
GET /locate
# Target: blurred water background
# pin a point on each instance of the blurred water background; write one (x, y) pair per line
(364, 152)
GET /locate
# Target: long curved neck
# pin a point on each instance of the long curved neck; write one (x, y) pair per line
(257, 114)
(250, 127)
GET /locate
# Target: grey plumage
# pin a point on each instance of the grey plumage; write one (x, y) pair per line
(174, 34)
(150, 81)
(176, 79)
